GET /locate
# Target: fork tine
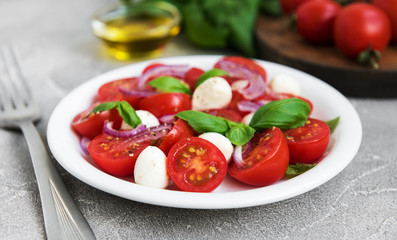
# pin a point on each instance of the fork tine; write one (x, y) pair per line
(19, 91)
(5, 98)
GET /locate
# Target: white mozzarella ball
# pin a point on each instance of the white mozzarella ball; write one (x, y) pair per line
(220, 142)
(284, 83)
(240, 84)
(247, 118)
(150, 168)
(215, 92)
(147, 118)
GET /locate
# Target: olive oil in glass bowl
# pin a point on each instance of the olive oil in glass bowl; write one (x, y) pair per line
(138, 30)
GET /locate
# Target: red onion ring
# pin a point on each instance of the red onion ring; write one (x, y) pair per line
(153, 133)
(136, 93)
(169, 118)
(247, 106)
(84, 144)
(239, 154)
(257, 85)
(109, 130)
(162, 70)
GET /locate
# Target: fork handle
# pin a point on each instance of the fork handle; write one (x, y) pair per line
(62, 218)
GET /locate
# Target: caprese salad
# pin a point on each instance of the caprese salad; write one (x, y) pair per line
(190, 127)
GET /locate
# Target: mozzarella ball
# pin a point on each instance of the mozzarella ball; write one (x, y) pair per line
(239, 84)
(220, 142)
(147, 118)
(215, 92)
(284, 83)
(247, 118)
(150, 168)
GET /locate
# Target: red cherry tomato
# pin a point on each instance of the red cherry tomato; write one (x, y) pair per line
(191, 77)
(151, 66)
(360, 26)
(196, 165)
(228, 114)
(180, 130)
(307, 143)
(111, 91)
(390, 8)
(266, 161)
(289, 6)
(90, 125)
(166, 103)
(116, 156)
(315, 20)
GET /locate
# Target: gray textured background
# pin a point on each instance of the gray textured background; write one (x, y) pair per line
(59, 53)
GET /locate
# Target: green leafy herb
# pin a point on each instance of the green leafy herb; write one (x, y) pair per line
(125, 110)
(211, 73)
(170, 84)
(284, 114)
(297, 169)
(270, 7)
(332, 124)
(237, 133)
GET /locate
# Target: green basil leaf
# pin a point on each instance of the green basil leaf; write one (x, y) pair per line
(332, 124)
(284, 114)
(240, 134)
(104, 106)
(209, 74)
(203, 122)
(170, 84)
(297, 169)
(128, 114)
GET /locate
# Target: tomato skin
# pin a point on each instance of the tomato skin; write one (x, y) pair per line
(180, 130)
(290, 6)
(304, 148)
(315, 20)
(390, 8)
(115, 156)
(166, 103)
(270, 159)
(90, 125)
(110, 91)
(151, 66)
(196, 172)
(192, 76)
(359, 26)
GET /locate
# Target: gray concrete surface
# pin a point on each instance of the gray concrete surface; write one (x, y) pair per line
(59, 53)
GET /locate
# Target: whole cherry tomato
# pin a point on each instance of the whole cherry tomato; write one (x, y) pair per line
(289, 6)
(361, 27)
(315, 20)
(166, 103)
(390, 8)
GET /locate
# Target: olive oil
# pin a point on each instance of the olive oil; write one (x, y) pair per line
(132, 36)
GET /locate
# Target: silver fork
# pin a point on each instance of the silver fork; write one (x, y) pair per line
(62, 218)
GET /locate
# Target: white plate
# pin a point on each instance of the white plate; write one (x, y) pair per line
(328, 104)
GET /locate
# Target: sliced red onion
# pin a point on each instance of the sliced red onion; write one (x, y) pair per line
(257, 85)
(84, 144)
(238, 157)
(247, 106)
(137, 93)
(162, 70)
(153, 133)
(169, 118)
(247, 149)
(109, 130)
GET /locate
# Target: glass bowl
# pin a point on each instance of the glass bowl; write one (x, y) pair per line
(137, 30)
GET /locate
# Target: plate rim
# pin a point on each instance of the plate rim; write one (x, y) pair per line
(214, 200)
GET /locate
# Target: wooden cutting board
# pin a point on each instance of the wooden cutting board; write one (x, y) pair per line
(279, 43)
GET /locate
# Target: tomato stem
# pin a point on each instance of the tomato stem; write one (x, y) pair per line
(370, 57)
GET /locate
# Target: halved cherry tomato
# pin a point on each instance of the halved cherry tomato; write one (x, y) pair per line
(116, 156)
(196, 165)
(265, 162)
(228, 114)
(90, 125)
(166, 103)
(307, 143)
(180, 130)
(111, 91)
(191, 77)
